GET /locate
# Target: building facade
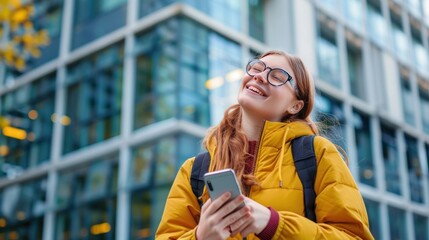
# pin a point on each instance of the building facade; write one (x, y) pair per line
(94, 131)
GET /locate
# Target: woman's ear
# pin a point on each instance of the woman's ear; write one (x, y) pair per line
(296, 107)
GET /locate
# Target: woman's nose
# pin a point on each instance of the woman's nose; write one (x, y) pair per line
(262, 76)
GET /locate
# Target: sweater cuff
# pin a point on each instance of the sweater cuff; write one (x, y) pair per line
(270, 229)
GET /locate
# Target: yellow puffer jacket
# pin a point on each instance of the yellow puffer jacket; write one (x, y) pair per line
(340, 210)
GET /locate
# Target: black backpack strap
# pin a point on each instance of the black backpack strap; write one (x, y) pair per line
(200, 167)
(305, 163)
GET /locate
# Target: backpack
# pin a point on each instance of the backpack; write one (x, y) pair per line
(305, 163)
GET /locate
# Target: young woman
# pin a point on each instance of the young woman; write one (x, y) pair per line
(275, 101)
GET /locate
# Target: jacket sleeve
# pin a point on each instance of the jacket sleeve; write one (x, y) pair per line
(182, 211)
(340, 210)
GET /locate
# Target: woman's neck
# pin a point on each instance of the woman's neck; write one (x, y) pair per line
(252, 127)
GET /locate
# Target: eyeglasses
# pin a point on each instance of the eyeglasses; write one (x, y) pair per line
(275, 77)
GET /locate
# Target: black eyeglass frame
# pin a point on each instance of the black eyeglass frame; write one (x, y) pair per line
(289, 77)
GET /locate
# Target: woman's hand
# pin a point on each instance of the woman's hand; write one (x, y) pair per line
(260, 215)
(217, 217)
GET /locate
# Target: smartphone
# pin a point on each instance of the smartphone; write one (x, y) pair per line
(221, 181)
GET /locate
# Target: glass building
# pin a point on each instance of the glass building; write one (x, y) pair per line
(94, 131)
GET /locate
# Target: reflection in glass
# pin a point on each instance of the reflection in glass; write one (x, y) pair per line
(141, 216)
(153, 169)
(414, 6)
(415, 172)
(330, 118)
(93, 19)
(353, 11)
(420, 227)
(376, 23)
(158, 162)
(399, 38)
(330, 4)
(397, 223)
(48, 16)
(22, 209)
(174, 69)
(27, 112)
(141, 170)
(363, 143)
(355, 67)
(407, 98)
(420, 53)
(227, 12)
(86, 201)
(391, 160)
(94, 98)
(424, 104)
(373, 210)
(256, 19)
(328, 53)
(425, 7)
(224, 68)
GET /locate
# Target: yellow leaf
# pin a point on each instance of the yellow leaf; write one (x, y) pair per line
(9, 54)
(14, 26)
(4, 14)
(20, 15)
(16, 39)
(28, 25)
(35, 52)
(30, 9)
(20, 63)
(43, 37)
(15, 3)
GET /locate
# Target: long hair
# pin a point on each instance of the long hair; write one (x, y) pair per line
(232, 143)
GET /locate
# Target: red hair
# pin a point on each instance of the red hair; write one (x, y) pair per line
(230, 140)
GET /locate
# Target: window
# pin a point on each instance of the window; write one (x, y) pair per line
(328, 52)
(355, 66)
(427, 157)
(377, 76)
(27, 136)
(390, 153)
(225, 69)
(23, 209)
(329, 114)
(420, 227)
(407, 97)
(85, 201)
(415, 172)
(373, 210)
(93, 19)
(330, 4)
(397, 223)
(376, 23)
(420, 54)
(425, 7)
(94, 97)
(228, 12)
(48, 16)
(159, 161)
(155, 98)
(353, 12)
(414, 6)
(256, 19)
(400, 42)
(363, 144)
(179, 73)
(424, 103)
(152, 171)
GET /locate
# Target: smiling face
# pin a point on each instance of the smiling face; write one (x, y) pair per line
(259, 99)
